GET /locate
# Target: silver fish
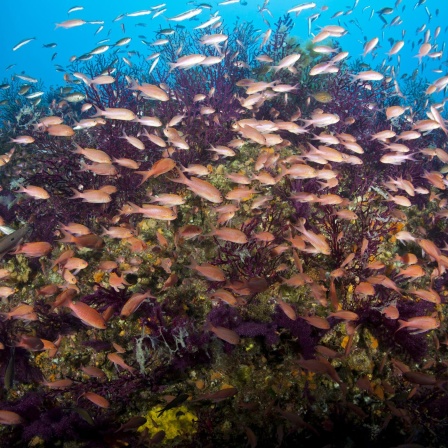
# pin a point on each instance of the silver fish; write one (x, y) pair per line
(9, 242)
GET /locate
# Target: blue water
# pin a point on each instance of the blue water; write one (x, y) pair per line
(31, 19)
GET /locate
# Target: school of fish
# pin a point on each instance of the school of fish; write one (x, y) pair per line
(409, 274)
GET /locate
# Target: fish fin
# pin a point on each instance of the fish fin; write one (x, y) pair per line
(145, 176)
(135, 207)
(68, 237)
(77, 194)
(182, 179)
(99, 112)
(403, 324)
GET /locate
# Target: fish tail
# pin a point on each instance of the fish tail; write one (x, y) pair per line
(135, 207)
(133, 84)
(182, 179)
(403, 324)
(99, 112)
(283, 173)
(193, 264)
(77, 194)
(78, 149)
(68, 237)
(145, 176)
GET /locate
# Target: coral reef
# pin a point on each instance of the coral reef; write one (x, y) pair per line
(282, 292)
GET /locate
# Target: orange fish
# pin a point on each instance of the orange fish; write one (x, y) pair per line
(10, 418)
(240, 194)
(62, 259)
(224, 333)
(287, 309)
(365, 288)
(117, 232)
(207, 270)
(391, 312)
(319, 243)
(162, 166)
(37, 249)
(48, 290)
(75, 263)
(229, 234)
(86, 314)
(94, 155)
(93, 371)
(430, 296)
(188, 232)
(150, 211)
(60, 130)
(34, 192)
(115, 113)
(91, 240)
(265, 237)
(344, 315)
(96, 399)
(134, 302)
(200, 187)
(92, 196)
(414, 271)
(75, 228)
(58, 384)
(19, 312)
(117, 282)
(316, 321)
(119, 361)
(30, 343)
(420, 323)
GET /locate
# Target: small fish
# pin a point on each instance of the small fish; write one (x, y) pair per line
(174, 403)
(385, 11)
(219, 395)
(115, 113)
(34, 192)
(150, 211)
(10, 418)
(143, 12)
(160, 167)
(22, 43)
(344, 315)
(208, 23)
(318, 322)
(370, 45)
(35, 249)
(225, 334)
(85, 313)
(96, 399)
(287, 309)
(369, 75)
(8, 380)
(27, 78)
(302, 7)
(200, 187)
(134, 302)
(75, 97)
(119, 361)
(186, 15)
(419, 324)
(72, 23)
(209, 271)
